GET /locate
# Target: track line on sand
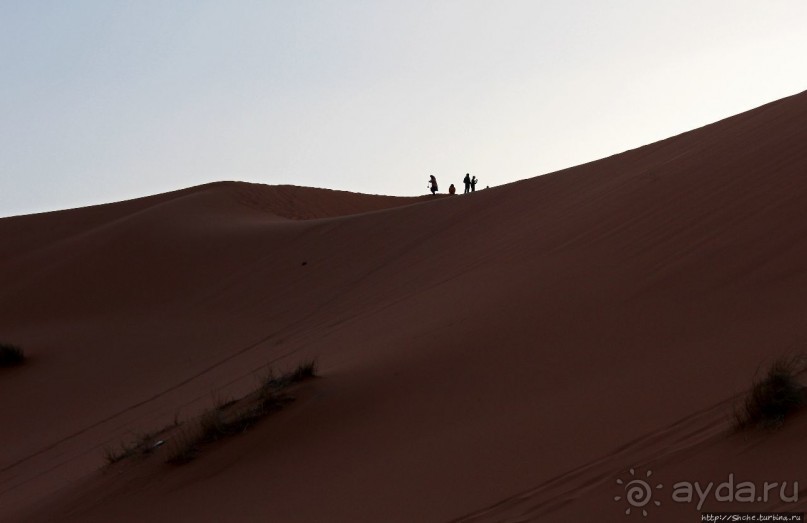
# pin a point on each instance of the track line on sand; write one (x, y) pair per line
(685, 436)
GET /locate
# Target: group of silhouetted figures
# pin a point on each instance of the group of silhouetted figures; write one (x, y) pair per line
(470, 184)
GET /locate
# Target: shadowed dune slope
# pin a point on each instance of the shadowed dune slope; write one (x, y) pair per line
(502, 356)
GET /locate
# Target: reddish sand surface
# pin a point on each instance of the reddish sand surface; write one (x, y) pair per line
(504, 356)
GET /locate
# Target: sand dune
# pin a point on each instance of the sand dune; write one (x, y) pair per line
(503, 356)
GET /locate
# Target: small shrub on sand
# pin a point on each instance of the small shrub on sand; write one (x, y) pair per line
(184, 446)
(234, 417)
(774, 396)
(10, 355)
(303, 371)
(213, 425)
(142, 445)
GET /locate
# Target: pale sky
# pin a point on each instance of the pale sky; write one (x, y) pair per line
(105, 100)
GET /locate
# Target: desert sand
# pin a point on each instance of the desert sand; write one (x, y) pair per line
(503, 356)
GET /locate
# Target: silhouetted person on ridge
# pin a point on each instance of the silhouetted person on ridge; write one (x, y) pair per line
(473, 184)
(433, 183)
(451, 189)
(467, 182)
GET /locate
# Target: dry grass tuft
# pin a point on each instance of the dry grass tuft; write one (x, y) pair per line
(235, 417)
(11, 355)
(774, 396)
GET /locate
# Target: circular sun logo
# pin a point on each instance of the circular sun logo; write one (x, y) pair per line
(638, 492)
